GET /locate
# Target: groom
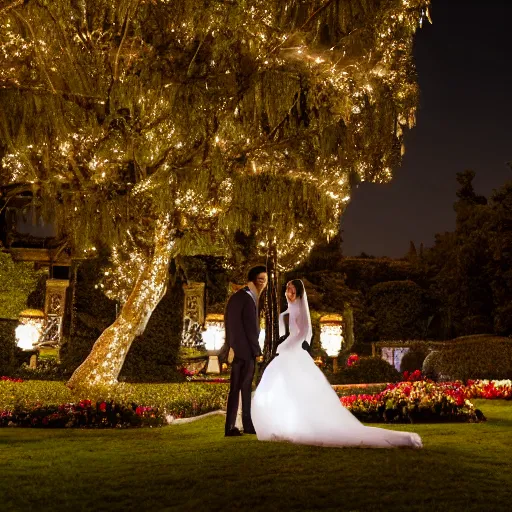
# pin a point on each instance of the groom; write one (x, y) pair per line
(241, 322)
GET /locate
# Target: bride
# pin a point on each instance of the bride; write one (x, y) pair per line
(295, 402)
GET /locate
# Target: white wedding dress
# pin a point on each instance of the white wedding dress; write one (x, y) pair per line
(294, 401)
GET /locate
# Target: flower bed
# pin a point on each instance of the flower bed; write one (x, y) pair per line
(489, 389)
(51, 404)
(424, 401)
(413, 402)
(84, 414)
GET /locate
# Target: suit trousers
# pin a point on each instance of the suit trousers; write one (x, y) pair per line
(242, 373)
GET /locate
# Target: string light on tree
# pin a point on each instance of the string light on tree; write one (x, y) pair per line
(214, 129)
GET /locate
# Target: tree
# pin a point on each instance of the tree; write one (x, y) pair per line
(17, 281)
(459, 265)
(163, 128)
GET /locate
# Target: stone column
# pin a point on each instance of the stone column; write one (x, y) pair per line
(193, 314)
(54, 308)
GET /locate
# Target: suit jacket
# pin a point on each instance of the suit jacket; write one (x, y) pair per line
(242, 328)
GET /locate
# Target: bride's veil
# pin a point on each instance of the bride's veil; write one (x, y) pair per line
(305, 317)
(300, 309)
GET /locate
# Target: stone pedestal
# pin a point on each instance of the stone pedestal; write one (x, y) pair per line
(33, 362)
(213, 364)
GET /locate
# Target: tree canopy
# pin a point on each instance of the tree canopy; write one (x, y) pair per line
(161, 128)
(229, 115)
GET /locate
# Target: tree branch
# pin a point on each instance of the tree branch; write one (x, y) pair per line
(9, 7)
(126, 23)
(35, 49)
(313, 16)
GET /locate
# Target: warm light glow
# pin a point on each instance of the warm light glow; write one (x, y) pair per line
(261, 339)
(331, 334)
(214, 334)
(27, 335)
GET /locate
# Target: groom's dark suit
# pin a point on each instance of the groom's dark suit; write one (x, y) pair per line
(242, 331)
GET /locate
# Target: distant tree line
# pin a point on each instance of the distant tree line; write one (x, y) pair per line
(460, 286)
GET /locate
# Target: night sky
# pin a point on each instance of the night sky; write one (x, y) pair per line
(464, 62)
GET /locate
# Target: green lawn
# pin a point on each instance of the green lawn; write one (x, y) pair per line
(185, 467)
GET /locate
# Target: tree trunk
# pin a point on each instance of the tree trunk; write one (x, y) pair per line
(107, 356)
(271, 306)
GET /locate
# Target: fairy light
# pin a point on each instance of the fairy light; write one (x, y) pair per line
(117, 142)
(102, 366)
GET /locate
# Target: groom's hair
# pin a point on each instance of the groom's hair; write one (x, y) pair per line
(299, 287)
(255, 272)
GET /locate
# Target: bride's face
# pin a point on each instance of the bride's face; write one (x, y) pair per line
(291, 292)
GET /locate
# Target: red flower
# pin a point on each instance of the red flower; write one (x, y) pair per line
(412, 377)
(10, 379)
(352, 359)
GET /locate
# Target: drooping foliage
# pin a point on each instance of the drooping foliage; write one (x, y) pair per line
(121, 109)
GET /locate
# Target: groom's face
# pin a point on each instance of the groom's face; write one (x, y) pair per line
(261, 281)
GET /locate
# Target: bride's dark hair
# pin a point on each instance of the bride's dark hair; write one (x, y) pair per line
(299, 287)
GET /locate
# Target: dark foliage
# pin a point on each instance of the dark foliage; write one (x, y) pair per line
(92, 313)
(36, 299)
(153, 357)
(400, 310)
(366, 370)
(7, 346)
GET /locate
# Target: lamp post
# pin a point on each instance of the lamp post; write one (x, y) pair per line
(331, 337)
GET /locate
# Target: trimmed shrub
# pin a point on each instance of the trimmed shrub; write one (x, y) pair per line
(362, 348)
(92, 313)
(47, 369)
(482, 357)
(7, 346)
(414, 358)
(154, 356)
(366, 370)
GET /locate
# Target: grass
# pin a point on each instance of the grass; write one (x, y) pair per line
(185, 467)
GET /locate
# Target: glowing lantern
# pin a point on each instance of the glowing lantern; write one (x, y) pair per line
(30, 328)
(331, 334)
(213, 334)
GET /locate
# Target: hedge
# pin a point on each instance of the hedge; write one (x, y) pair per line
(400, 309)
(179, 400)
(7, 345)
(482, 357)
